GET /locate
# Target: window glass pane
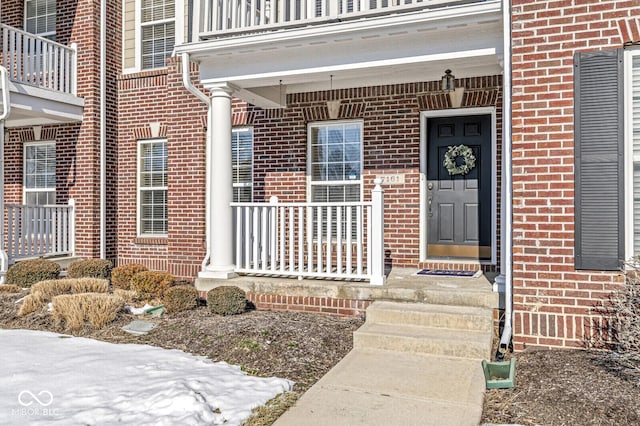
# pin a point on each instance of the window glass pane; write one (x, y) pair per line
(40, 173)
(242, 164)
(158, 32)
(153, 187)
(336, 167)
(40, 17)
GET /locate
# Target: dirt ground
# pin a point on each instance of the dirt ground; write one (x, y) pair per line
(567, 387)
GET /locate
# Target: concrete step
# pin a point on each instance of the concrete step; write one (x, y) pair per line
(428, 315)
(425, 340)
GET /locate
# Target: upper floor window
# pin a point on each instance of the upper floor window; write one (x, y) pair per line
(40, 173)
(158, 27)
(242, 164)
(40, 18)
(152, 187)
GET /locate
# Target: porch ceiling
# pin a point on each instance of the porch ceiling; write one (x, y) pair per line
(389, 49)
(32, 106)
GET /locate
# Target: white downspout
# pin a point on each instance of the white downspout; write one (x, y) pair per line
(186, 80)
(103, 130)
(6, 102)
(507, 194)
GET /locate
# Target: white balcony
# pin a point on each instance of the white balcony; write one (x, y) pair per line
(42, 79)
(266, 49)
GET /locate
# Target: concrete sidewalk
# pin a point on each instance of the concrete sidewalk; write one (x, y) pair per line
(377, 387)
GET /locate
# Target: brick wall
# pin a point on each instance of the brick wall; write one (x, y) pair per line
(77, 144)
(552, 301)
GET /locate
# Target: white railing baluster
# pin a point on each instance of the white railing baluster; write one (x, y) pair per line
(322, 240)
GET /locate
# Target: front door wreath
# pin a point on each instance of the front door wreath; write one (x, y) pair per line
(459, 160)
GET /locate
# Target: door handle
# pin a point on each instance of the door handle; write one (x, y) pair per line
(429, 200)
(430, 186)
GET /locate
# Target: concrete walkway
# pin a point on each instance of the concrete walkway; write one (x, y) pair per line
(378, 387)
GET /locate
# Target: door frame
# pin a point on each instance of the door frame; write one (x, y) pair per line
(424, 122)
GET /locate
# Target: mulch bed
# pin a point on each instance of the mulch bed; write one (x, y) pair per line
(553, 387)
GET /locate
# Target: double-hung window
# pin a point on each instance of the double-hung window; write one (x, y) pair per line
(152, 187)
(158, 28)
(335, 163)
(242, 164)
(40, 18)
(40, 173)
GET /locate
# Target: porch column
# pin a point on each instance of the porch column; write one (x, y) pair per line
(218, 209)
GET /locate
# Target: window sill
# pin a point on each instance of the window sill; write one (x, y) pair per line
(148, 241)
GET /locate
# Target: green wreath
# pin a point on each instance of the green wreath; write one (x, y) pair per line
(459, 167)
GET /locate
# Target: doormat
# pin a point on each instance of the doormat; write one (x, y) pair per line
(448, 273)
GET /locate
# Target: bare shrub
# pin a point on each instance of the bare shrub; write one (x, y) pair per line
(9, 288)
(617, 330)
(181, 298)
(68, 309)
(227, 300)
(102, 308)
(32, 303)
(93, 268)
(121, 275)
(130, 297)
(152, 284)
(29, 272)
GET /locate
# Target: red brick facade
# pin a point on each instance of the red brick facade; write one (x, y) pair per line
(552, 301)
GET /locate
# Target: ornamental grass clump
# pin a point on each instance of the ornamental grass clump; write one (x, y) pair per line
(75, 310)
(152, 284)
(121, 275)
(32, 303)
(180, 298)
(92, 268)
(28, 272)
(227, 300)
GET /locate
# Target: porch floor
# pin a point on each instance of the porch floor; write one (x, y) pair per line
(402, 285)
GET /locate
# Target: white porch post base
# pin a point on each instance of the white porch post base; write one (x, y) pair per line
(220, 275)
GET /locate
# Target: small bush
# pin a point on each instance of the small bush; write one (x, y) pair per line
(92, 268)
(151, 284)
(130, 297)
(121, 275)
(227, 300)
(89, 285)
(33, 302)
(29, 272)
(51, 288)
(73, 310)
(8, 288)
(180, 298)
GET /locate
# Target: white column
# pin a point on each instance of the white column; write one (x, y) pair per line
(219, 211)
(377, 234)
(4, 260)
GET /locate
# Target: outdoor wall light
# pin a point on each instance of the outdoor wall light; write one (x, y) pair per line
(448, 81)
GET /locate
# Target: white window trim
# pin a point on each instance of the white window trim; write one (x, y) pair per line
(24, 19)
(26, 190)
(179, 32)
(249, 184)
(139, 233)
(424, 117)
(309, 156)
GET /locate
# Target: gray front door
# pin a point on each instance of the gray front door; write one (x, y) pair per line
(459, 204)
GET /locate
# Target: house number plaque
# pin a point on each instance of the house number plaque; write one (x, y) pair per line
(397, 179)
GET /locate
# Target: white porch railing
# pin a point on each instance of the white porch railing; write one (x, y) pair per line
(214, 16)
(37, 61)
(316, 240)
(36, 231)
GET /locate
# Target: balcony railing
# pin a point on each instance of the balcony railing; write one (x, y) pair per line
(37, 61)
(314, 240)
(36, 231)
(216, 16)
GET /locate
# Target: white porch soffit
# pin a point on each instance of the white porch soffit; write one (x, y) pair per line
(388, 49)
(35, 106)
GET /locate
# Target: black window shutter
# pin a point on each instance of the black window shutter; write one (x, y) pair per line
(599, 160)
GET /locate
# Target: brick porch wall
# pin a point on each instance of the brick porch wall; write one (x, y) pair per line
(552, 301)
(391, 116)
